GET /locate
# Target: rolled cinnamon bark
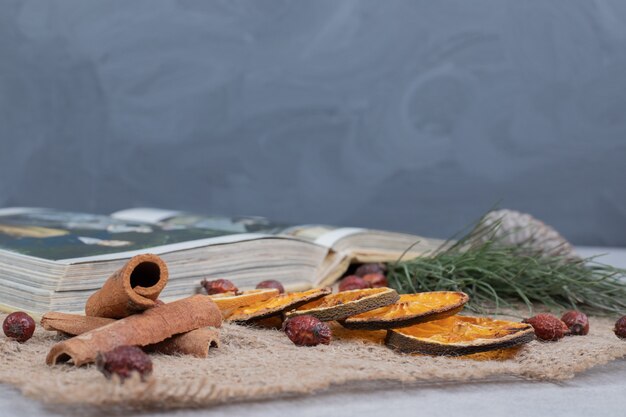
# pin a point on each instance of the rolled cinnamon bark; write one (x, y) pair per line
(131, 289)
(195, 342)
(72, 324)
(147, 328)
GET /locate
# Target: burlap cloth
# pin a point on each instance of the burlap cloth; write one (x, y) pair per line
(254, 364)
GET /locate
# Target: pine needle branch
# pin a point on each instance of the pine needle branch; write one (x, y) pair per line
(496, 276)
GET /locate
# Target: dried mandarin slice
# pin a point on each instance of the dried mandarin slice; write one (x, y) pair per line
(228, 302)
(347, 303)
(410, 309)
(276, 305)
(459, 335)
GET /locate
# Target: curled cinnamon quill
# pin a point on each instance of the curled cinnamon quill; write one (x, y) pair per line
(131, 289)
(72, 324)
(194, 343)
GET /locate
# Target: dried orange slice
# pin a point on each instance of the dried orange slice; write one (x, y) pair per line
(229, 301)
(347, 303)
(410, 309)
(459, 335)
(276, 305)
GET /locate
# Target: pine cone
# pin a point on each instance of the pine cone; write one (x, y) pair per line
(526, 232)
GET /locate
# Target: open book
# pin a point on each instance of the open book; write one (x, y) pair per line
(53, 260)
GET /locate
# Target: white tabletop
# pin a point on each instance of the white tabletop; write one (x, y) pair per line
(599, 392)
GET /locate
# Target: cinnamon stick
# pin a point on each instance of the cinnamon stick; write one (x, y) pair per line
(131, 289)
(194, 343)
(147, 328)
(72, 324)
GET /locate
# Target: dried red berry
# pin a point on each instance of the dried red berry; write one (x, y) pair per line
(271, 283)
(620, 328)
(547, 327)
(352, 282)
(307, 331)
(376, 268)
(376, 280)
(218, 286)
(123, 361)
(19, 326)
(576, 322)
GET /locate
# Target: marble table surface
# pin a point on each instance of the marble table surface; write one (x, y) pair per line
(598, 392)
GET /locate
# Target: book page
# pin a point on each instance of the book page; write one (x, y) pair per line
(78, 237)
(178, 220)
(144, 214)
(321, 234)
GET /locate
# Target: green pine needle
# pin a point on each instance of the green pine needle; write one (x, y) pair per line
(497, 276)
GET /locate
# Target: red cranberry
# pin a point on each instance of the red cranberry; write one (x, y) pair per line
(353, 282)
(376, 280)
(620, 328)
(373, 268)
(218, 286)
(19, 326)
(123, 361)
(547, 327)
(271, 283)
(577, 322)
(307, 331)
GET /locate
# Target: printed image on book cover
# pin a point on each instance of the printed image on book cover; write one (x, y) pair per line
(56, 235)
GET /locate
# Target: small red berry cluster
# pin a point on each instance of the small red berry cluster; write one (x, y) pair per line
(573, 323)
(221, 286)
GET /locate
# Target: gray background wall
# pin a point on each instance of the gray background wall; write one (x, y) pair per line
(406, 115)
